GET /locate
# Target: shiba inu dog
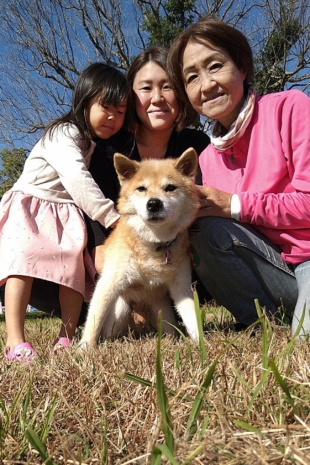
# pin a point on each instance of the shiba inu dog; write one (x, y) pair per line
(146, 262)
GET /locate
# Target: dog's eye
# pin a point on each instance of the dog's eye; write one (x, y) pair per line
(170, 188)
(141, 189)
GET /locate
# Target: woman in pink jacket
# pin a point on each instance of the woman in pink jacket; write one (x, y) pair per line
(254, 227)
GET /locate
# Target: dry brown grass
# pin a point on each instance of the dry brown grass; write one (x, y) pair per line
(86, 411)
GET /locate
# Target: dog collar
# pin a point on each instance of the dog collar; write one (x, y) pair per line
(166, 246)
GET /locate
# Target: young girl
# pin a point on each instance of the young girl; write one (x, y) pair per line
(42, 226)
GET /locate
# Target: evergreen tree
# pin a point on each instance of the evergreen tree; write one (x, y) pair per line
(12, 166)
(167, 20)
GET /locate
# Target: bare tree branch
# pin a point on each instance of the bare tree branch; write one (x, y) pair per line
(46, 43)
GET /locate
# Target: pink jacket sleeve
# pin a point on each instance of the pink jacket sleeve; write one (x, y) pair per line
(291, 208)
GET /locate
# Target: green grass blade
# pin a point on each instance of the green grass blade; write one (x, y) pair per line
(161, 393)
(177, 360)
(16, 401)
(283, 386)
(264, 345)
(158, 451)
(137, 379)
(25, 405)
(258, 309)
(4, 414)
(147, 383)
(264, 335)
(288, 349)
(301, 321)
(257, 390)
(242, 381)
(156, 456)
(48, 422)
(203, 428)
(247, 426)
(193, 455)
(198, 402)
(104, 455)
(4, 422)
(185, 339)
(202, 347)
(37, 444)
(265, 362)
(266, 330)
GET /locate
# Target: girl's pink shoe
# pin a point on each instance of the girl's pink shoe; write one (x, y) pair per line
(61, 343)
(23, 352)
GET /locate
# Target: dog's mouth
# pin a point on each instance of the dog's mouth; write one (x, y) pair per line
(156, 218)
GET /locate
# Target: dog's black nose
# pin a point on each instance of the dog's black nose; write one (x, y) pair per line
(154, 205)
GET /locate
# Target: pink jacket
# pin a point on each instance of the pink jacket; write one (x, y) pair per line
(269, 168)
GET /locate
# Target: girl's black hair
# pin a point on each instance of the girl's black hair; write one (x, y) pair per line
(104, 82)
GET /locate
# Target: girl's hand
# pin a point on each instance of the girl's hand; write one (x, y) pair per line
(214, 202)
(113, 225)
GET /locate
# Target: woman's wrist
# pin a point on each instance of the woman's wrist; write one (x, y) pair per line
(235, 207)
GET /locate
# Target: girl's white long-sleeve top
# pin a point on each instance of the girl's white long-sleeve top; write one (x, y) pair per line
(57, 171)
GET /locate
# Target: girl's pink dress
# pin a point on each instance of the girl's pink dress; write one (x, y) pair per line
(45, 240)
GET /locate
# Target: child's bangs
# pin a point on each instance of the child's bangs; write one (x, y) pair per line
(114, 94)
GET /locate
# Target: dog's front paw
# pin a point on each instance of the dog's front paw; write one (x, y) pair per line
(193, 333)
(83, 345)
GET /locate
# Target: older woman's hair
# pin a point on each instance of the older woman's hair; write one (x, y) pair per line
(209, 30)
(159, 55)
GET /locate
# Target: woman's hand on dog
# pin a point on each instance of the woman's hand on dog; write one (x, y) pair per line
(214, 202)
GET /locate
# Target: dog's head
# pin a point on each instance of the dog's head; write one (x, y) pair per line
(157, 192)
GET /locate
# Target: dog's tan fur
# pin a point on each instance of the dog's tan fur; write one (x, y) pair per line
(136, 281)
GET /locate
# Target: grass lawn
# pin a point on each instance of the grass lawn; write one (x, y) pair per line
(237, 398)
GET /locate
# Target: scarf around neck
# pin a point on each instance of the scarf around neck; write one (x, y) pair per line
(237, 128)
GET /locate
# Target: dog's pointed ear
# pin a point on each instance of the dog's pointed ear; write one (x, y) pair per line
(187, 163)
(125, 168)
